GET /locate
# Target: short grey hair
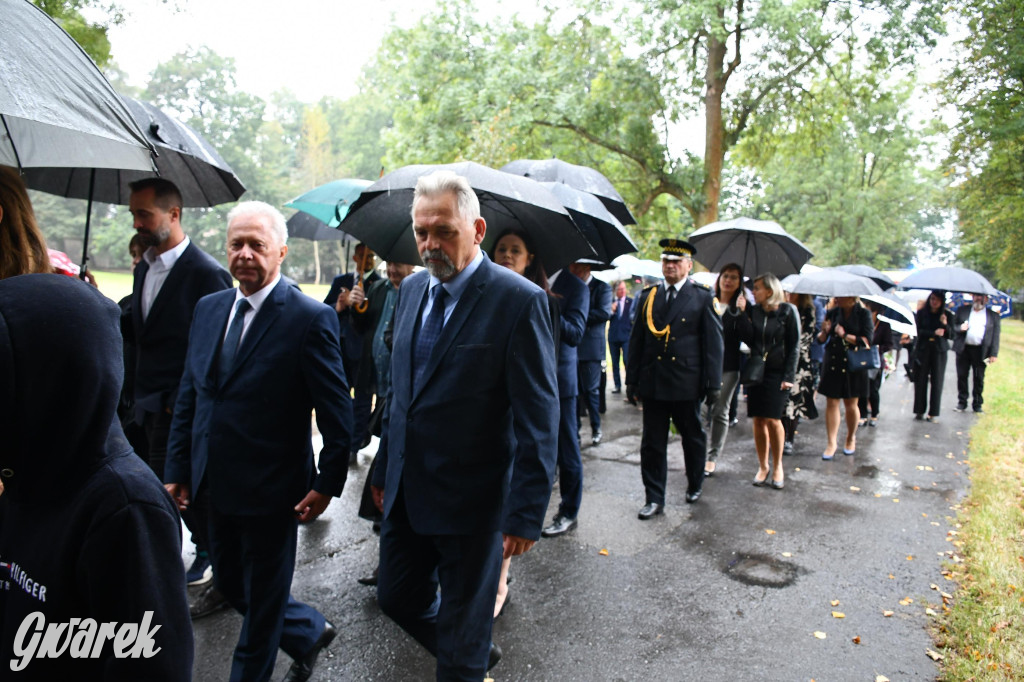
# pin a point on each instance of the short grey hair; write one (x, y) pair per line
(445, 182)
(770, 281)
(260, 208)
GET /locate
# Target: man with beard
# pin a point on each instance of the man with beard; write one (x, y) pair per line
(170, 279)
(468, 449)
(976, 344)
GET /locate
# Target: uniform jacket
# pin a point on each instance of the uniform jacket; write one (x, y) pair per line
(989, 342)
(249, 439)
(473, 449)
(161, 340)
(688, 362)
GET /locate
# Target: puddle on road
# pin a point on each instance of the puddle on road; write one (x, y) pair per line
(762, 571)
(886, 486)
(866, 471)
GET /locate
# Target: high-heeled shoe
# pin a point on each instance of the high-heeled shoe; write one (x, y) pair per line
(778, 485)
(763, 481)
(850, 450)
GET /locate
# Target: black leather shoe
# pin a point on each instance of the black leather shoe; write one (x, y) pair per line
(559, 525)
(692, 497)
(302, 668)
(598, 436)
(206, 600)
(650, 510)
(787, 448)
(494, 656)
(369, 580)
(616, 391)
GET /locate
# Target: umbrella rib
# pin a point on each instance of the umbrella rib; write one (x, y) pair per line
(14, 147)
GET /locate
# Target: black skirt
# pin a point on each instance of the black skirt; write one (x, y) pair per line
(767, 399)
(836, 380)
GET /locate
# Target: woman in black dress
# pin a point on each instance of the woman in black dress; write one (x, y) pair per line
(933, 332)
(846, 326)
(773, 333)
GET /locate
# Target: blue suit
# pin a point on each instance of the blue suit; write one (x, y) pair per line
(247, 440)
(619, 327)
(466, 455)
(592, 349)
(574, 304)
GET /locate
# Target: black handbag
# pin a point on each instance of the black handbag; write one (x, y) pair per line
(753, 371)
(859, 359)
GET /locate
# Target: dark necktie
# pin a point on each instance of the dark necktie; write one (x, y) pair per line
(229, 348)
(670, 295)
(430, 333)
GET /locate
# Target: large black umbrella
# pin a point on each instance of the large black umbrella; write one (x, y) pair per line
(305, 226)
(381, 216)
(583, 178)
(950, 279)
(831, 282)
(602, 229)
(56, 108)
(759, 246)
(880, 278)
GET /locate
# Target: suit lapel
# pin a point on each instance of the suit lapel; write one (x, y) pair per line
(172, 285)
(261, 324)
(137, 284)
(219, 320)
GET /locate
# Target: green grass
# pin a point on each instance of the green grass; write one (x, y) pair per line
(117, 285)
(982, 635)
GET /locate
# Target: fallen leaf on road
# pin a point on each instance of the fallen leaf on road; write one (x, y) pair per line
(881, 678)
(603, 552)
(887, 613)
(927, 436)
(835, 602)
(892, 577)
(819, 634)
(930, 612)
(896, 499)
(856, 640)
(787, 554)
(934, 587)
(769, 531)
(878, 494)
(917, 487)
(934, 655)
(854, 488)
(838, 614)
(906, 601)
(1000, 625)
(910, 557)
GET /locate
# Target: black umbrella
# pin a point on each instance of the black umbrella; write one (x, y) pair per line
(602, 229)
(950, 279)
(759, 246)
(831, 282)
(304, 226)
(582, 178)
(381, 216)
(880, 278)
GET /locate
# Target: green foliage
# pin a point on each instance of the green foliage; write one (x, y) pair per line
(91, 36)
(987, 154)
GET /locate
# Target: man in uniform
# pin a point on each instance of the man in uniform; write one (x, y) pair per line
(675, 362)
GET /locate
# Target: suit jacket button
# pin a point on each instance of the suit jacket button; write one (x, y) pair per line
(673, 358)
(683, 319)
(659, 357)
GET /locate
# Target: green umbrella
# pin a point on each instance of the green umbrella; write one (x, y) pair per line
(330, 202)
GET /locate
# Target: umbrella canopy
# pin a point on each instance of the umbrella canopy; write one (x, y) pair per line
(330, 202)
(949, 279)
(183, 156)
(602, 229)
(582, 178)
(896, 310)
(880, 278)
(759, 246)
(381, 216)
(831, 282)
(56, 108)
(304, 226)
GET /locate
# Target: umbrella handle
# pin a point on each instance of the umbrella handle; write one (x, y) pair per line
(364, 304)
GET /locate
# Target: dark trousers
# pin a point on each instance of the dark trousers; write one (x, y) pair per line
(157, 427)
(253, 561)
(570, 463)
(869, 403)
(932, 371)
(590, 391)
(685, 414)
(454, 626)
(970, 360)
(619, 351)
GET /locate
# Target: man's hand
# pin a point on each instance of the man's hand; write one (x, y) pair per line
(712, 397)
(378, 497)
(180, 493)
(356, 296)
(741, 302)
(342, 303)
(631, 395)
(514, 546)
(990, 359)
(312, 506)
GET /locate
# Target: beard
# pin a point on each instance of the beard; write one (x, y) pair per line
(157, 238)
(444, 270)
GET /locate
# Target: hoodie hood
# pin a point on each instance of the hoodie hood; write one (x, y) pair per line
(60, 377)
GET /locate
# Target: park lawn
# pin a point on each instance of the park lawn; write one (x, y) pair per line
(981, 637)
(117, 285)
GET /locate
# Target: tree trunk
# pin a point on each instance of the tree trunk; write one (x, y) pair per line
(714, 137)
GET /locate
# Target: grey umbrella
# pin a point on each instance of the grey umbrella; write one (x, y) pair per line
(602, 229)
(950, 279)
(183, 156)
(759, 246)
(56, 108)
(583, 178)
(831, 282)
(381, 218)
(880, 278)
(304, 226)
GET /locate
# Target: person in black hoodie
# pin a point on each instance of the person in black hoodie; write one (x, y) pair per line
(88, 535)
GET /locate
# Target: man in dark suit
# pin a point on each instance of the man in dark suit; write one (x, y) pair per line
(675, 362)
(574, 304)
(591, 351)
(976, 344)
(260, 359)
(354, 350)
(619, 327)
(170, 279)
(467, 456)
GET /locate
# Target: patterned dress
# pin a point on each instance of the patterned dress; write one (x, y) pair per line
(801, 399)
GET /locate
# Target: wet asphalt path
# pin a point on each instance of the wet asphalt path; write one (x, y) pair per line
(731, 588)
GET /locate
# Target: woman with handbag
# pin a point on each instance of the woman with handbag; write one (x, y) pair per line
(731, 305)
(934, 330)
(847, 326)
(772, 331)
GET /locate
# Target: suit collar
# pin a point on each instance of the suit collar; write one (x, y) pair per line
(268, 313)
